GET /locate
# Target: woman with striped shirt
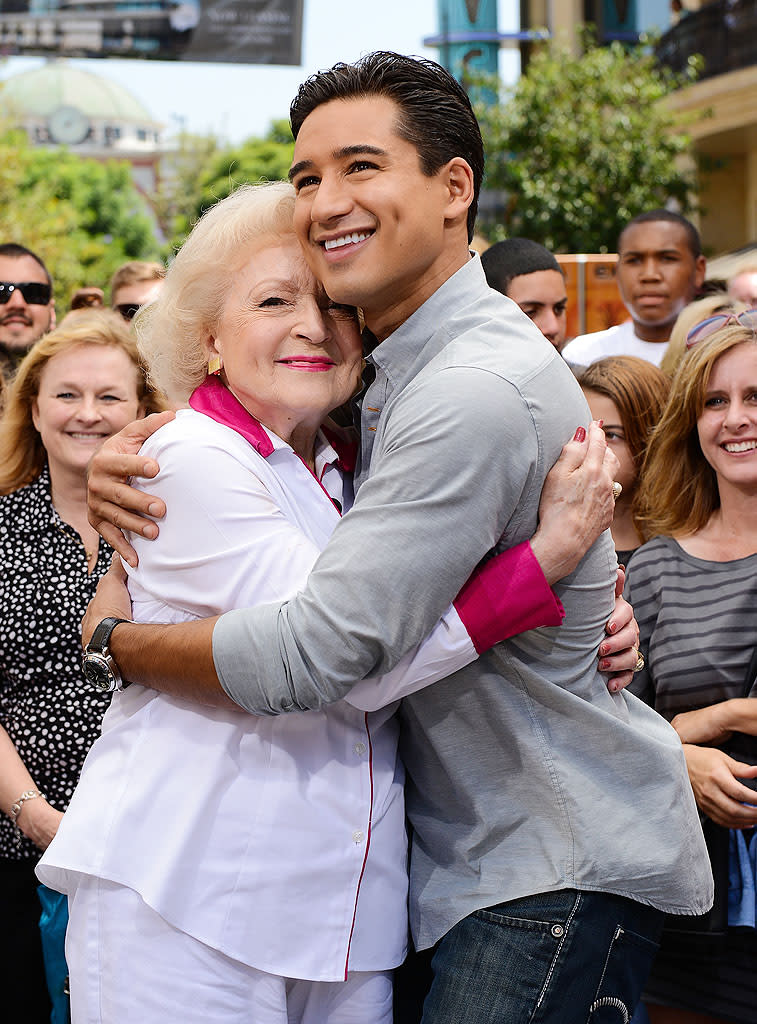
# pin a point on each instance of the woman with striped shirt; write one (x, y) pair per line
(694, 590)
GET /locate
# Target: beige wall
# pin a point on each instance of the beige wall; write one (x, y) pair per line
(721, 116)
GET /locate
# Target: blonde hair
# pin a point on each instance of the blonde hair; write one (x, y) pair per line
(22, 454)
(135, 272)
(692, 314)
(173, 331)
(679, 488)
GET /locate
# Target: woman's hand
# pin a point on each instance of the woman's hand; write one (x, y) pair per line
(111, 599)
(619, 653)
(39, 821)
(113, 505)
(576, 503)
(715, 780)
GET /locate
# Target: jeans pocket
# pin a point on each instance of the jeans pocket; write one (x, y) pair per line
(629, 960)
(530, 935)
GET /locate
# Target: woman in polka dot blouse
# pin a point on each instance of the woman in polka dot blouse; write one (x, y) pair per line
(79, 385)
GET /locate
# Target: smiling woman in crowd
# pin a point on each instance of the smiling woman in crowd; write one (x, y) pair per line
(694, 590)
(79, 384)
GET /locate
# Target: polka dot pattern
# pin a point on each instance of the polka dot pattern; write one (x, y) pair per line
(50, 713)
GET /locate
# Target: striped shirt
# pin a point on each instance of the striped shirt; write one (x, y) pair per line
(697, 625)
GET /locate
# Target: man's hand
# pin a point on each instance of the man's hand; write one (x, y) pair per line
(112, 503)
(111, 598)
(714, 778)
(619, 653)
(576, 503)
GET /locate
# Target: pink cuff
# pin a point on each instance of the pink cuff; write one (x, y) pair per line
(506, 596)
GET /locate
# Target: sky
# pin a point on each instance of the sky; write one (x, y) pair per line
(236, 101)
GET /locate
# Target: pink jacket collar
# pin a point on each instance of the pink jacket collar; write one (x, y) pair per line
(213, 399)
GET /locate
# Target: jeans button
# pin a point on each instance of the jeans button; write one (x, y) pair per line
(557, 931)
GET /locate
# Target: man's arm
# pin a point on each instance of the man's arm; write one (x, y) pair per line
(178, 659)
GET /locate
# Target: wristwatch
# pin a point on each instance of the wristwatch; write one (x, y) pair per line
(100, 670)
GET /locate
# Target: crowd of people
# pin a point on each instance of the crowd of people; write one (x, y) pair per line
(364, 730)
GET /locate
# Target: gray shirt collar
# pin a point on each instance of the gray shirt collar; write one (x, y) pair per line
(402, 354)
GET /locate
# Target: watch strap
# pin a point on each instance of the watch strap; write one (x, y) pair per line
(101, 636)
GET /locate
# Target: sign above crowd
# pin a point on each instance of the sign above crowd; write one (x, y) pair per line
(236, 31)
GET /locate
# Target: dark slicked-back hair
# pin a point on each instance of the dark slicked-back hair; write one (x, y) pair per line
(435, 114)
(515, 256)
(13, 251)
(692, 235)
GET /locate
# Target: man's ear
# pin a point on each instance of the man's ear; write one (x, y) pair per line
(700, 270)
(459, 180)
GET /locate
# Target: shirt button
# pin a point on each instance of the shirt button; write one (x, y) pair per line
(359, 748)
(357, 837)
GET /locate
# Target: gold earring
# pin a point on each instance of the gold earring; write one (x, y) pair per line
(215, 365)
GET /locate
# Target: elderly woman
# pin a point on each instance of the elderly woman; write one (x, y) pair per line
(694, 588)
(244, 868)
(77, 386)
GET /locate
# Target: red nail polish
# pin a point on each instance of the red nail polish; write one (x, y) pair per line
(580, 434)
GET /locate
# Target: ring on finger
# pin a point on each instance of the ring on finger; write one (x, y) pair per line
(617, 490)
(639, 661)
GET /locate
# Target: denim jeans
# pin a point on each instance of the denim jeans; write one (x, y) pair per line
(565, 957)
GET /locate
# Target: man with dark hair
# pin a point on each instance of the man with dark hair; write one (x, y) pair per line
(133, 285)
(660, 269)
(544, 895)
(531, 276)
(27, 309)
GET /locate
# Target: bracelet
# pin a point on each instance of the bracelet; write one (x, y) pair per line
(28, 794)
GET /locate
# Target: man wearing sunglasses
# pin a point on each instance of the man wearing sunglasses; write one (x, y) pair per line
(27, 310)
(133, 285)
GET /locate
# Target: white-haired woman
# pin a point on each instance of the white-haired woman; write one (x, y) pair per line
(221, 866)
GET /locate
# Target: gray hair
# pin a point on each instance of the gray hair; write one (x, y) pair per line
(174, 329)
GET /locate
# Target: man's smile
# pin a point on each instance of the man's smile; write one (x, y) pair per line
(342, 240)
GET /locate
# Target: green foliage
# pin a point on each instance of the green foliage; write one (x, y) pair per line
(84, 218)
(581, 145)
(201, 173)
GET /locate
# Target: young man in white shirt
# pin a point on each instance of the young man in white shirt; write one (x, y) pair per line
(660, 270)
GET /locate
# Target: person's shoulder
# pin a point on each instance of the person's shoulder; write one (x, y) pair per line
(191, 431)
(24, 513)
(652, 559)
(587, 348)
(28, 496)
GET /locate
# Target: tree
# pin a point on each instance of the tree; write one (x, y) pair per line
(201, 173)
(83, 217)
(583, 144)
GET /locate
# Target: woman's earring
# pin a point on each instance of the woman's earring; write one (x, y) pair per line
(215, 365)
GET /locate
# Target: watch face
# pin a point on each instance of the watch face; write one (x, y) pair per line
(97, 672)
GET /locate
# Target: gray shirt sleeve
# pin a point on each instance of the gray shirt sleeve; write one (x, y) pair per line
(458, 455)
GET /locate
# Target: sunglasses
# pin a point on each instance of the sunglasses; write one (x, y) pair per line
(34, 294)
(128, 310)
(713, 323)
